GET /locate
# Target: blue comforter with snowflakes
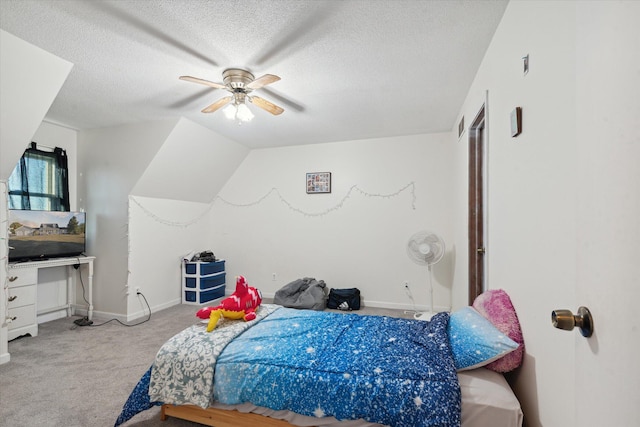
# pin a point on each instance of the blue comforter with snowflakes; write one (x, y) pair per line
(385, 370)
(396, 372)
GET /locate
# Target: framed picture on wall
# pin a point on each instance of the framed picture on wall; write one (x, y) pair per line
(318, 182)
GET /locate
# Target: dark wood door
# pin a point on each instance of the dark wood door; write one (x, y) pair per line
(477, 247)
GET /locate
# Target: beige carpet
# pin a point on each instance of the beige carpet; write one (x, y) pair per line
(72, 376)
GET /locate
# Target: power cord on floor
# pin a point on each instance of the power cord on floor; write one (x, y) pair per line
(407, 290)
(124, 324)
(84, 297)
(84, 321)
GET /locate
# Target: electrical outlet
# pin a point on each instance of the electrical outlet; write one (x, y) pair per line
(405, 284)
(138, 290)
(273, 277)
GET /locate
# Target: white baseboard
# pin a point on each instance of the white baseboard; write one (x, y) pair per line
(103, 316)
(144, 313)
(400, 306)
(5, 358)
(383, 304)
(98, 316)
(54, 315)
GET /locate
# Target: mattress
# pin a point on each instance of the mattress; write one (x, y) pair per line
(487, 400)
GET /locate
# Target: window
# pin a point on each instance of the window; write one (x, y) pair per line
(40, 181)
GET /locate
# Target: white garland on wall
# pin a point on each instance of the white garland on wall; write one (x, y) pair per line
(5, 259)
(166, 221)
(354, 188)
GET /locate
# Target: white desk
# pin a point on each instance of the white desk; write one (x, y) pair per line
(23, 291)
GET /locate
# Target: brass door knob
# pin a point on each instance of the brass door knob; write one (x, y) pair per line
(565, 319)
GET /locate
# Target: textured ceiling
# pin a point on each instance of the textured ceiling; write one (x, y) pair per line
(350, 69)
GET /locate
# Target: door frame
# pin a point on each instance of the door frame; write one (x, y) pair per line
(476, 207)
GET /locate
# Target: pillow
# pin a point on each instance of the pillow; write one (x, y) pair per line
(475, 342)
(495, 305)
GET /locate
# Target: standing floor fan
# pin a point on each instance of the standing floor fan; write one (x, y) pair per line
(426, 248)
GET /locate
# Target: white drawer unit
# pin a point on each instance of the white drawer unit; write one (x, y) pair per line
(21, 302)
(21, 277)
(25, 322)
(21, 296)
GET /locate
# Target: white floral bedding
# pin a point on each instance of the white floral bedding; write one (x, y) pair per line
(184, 366)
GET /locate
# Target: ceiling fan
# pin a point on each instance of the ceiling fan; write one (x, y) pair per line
(240, 83)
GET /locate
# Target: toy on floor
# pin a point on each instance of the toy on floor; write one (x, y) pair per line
(241, 304)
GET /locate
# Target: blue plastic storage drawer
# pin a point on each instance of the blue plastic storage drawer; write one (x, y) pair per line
(205, 296)
(206, 282)
(206, 268)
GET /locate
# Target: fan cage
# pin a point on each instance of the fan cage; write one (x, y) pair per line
(436, 248)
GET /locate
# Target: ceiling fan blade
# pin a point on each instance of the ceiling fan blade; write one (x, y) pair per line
(306, 26)
(218, 104)
(288, 102)
(262, 81)
(136, 25)
(266, 105)
(203, 82)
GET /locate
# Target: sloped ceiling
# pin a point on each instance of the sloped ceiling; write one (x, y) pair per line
(30, 79)
(350, 69)
(192, 164)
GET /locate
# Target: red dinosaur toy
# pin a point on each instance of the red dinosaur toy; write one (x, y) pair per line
(241, 304)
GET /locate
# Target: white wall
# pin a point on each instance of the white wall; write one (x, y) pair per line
(111, 160)
(556, 194)
(186, 173)
(52, 282)
(359, 241)
(157, 245)
(30, 79)
(138, 181)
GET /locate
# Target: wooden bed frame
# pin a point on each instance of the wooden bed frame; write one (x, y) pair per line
(219, 417)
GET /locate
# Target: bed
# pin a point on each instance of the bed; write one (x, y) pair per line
(307, 368)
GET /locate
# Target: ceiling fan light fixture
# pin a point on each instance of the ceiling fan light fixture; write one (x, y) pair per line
(230, 111)
(243, 113)
(238, 112)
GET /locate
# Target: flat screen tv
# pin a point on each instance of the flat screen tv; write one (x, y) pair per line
(40, 235)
